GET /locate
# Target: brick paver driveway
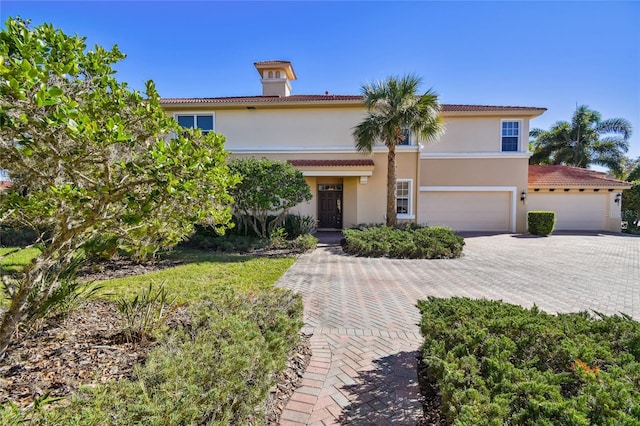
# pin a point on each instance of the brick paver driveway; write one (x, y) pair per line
(363, 318)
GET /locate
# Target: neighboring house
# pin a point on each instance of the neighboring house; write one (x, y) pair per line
(5, 182)
(472, 179)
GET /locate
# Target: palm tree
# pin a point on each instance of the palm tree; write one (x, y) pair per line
(394, 107)
(587, 140)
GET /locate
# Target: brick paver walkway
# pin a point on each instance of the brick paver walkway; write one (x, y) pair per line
(362, 312)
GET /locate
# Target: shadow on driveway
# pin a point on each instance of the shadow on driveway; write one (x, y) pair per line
(389, 393)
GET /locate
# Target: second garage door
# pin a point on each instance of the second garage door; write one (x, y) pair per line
(488, 211)
(574, 210)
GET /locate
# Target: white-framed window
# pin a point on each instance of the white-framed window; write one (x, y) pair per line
(407, 138)
(204, 122)
(510, 135)
(404, 198)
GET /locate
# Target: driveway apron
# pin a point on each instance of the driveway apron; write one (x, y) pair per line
(363, 320)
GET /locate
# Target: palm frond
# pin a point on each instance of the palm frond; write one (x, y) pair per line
(615, 125)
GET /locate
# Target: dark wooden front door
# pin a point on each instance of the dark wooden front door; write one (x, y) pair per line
(329, 209)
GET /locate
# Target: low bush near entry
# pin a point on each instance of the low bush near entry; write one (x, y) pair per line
(412, 242)
(496, 363)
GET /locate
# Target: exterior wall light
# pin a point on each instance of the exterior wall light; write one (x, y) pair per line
(523, 197)
(618, 198)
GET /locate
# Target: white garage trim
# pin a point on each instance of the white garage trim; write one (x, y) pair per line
(512, 189)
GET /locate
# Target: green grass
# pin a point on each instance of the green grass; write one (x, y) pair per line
(201, 275)
(18, 260)
(203, 278)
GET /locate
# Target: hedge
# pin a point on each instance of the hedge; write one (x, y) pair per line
(411, 242)
(496, 364)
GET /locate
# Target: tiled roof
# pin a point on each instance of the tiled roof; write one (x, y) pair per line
(272, 62)
(263, 99)
(333, 98)
(566, 176)
(476, 108)
(331, 163)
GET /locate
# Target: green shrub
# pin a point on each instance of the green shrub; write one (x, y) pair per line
(206, 239)
(541, 222)
(303, 243)
(410, 242)
(216, 370)
(630, 219)
(143, 315)
(17, 237)
(296, 225)
(496, 364)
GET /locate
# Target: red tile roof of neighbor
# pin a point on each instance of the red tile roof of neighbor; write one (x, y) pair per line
(332, 98)
(566, 176)
(330, 163)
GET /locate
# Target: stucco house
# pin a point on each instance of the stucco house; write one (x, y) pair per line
(476, 177)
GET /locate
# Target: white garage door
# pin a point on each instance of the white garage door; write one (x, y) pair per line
(467, 210)
(574, 210)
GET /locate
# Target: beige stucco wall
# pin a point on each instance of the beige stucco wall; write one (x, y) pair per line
(308, 132)
(479, 172)
(268, 128)
(475, 134)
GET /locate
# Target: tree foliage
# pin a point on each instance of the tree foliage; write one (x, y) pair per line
(394, 107)
(586, 140)
(631, 197)
(268, 187)
(91, 159)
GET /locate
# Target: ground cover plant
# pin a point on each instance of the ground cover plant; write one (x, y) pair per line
(496, 363)
(215, 362)
(411, 242)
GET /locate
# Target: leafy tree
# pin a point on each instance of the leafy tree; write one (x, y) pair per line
(91, 158)
(268, 187)
(586, 140)
(394, 108)
(631, 197)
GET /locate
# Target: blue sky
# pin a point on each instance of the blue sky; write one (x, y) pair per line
(547, 54)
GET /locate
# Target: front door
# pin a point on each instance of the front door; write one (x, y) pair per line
(330, 206)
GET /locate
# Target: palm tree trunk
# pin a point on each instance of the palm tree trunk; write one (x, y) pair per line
(391, 186)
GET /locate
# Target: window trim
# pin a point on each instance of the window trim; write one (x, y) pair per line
(409, 215)
(195, 114)
(520, 128)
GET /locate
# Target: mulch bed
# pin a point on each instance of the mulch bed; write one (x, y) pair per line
(87, 348)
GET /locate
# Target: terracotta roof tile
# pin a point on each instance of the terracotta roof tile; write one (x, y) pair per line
(272, 62)
(332, 98)
(477, 108)
(331, 163)
(263, 99)
(566, 176)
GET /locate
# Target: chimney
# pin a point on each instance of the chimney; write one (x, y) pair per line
(275, 77)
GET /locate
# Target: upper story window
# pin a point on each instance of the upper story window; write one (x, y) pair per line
(407, 137)
(203, 122)
(404, 198)
(510, 135)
